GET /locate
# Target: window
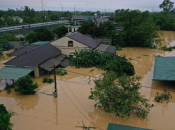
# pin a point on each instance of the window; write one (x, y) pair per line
(70, 43)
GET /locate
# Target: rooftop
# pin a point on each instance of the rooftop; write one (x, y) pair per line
(34, 57)
(164, 69)
(88, 41)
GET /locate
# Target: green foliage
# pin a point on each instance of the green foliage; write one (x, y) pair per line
(40, 34)
(166, 5)
(106, 29)
(138, 29)
(118, 48)
(164, 48)
(3, 109)
(60, 30)
(91, 58)
(54, 17)
(9, 87)
(1, 53)
(61, 71)
(165, 96)
(31, 37)
(122, 97)
(9, 37)
(5, 116)
(25, 85)
(48, 80)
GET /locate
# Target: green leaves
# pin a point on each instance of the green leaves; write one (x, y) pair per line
(89, 58)
(25, 85)
(5, 116)
(120, 97)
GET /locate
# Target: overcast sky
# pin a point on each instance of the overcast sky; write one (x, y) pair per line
(83, 5)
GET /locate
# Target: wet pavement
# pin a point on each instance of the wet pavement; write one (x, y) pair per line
(72, 108)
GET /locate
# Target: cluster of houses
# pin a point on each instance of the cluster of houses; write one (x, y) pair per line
(41, 57)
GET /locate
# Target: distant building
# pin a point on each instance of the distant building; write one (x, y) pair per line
(17, 18)
(77, 19)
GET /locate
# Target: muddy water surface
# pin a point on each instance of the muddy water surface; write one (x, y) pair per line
(72, 106)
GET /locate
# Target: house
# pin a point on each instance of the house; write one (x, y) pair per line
(17, 18)
(34, 59)
(164, 69)
(112, 126)
(77, 19)
(77, 41)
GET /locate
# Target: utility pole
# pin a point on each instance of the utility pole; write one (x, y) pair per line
(62, 13)
(42, 4)
(74, 9)
(55, 92)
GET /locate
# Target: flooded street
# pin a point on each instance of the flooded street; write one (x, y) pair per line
(72, 108)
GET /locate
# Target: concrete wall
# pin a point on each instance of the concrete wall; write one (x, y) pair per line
(36, 72)
(17, 44)
(62, 44)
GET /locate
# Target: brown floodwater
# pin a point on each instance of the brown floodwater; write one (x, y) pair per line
(72, 108)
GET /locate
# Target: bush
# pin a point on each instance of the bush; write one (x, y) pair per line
(5, 116)
(8, 87)
(90, 58)
(25, 85)
(61, 71)
(48, 80)
(164, 48)
(165, 96)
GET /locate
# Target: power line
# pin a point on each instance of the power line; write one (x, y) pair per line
(79, 102)
(75, 105)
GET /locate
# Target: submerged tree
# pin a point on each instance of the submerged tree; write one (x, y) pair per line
(120, 97)
(25, 85)
(138, 29)
(5, 116)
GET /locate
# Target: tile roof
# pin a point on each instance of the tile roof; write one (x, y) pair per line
(35, 56)
(102, 20)
(22, 50)
(49, 64)
(65, 63)
(106, 49)
(90, 42)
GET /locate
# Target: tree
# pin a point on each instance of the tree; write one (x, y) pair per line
(31, 37)
(120, 97)
(25, 85)
(43, 34)
(138, 29)
(40, 34)
(54, 17)
(60, 30)
(5, 116)
(167, 6)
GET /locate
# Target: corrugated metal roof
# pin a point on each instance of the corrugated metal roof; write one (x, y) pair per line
(40, 43)
(22, 50)
(90, 42)
(123, 127)
(49, 64)
(14, 72)
(164, 69)
(102, 47)
(111, 49)
(65, 63)
(35, 56)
